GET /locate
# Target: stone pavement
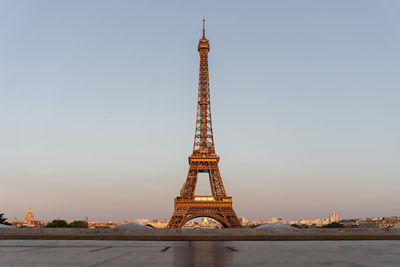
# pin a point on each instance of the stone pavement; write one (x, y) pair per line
(198, 253)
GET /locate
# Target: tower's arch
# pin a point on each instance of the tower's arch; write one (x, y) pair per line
(219, 219)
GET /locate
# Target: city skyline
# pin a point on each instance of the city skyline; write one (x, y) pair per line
(97, 107)
(29, 213)
(200, 222)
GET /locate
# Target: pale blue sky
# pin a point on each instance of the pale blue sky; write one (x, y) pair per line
(97, 106)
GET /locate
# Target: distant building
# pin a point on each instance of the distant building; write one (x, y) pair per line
(29, 219)
(109, 224)
(350, 223)
(244, 220)
(282, 221)
(334, 218)
(272, 220)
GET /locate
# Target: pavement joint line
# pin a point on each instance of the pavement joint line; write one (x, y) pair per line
(232, 249)
(73, 246)
(33, 249)
(99, 249)
(109, 259)
(165, 249)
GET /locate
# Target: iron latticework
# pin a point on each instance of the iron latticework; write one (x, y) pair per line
(188, 205)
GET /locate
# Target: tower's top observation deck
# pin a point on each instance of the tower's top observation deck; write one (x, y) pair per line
(203, 43)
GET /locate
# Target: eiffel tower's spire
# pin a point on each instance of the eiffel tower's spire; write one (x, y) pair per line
(204, 28)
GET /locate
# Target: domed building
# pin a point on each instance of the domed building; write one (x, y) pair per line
(29, 219)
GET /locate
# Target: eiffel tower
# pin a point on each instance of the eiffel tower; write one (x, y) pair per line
(218, 206)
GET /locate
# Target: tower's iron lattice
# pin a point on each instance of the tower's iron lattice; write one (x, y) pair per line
(218, 206)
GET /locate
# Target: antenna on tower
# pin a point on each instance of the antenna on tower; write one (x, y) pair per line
(204, 27)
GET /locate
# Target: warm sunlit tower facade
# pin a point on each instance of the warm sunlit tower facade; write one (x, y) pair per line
(188, 205)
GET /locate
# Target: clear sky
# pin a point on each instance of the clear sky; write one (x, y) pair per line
(97, 106)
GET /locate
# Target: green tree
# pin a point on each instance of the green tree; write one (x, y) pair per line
(57, 224)
(333, 225)
(3, 220)
(79, 224)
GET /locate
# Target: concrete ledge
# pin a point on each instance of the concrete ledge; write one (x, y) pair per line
(200, 235)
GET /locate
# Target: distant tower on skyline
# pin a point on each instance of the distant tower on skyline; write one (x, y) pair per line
(218, 206)
(334, 218)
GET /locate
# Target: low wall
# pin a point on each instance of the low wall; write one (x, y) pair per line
(198, 234)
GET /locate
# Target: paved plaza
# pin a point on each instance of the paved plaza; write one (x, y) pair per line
(198, 253)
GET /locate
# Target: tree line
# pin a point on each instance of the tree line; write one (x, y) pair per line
(54, 223)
